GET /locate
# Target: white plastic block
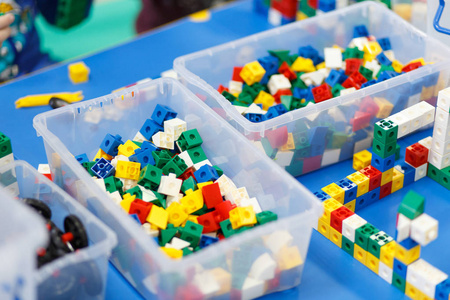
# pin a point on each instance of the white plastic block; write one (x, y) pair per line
(237, 195)
(274, 17)
(201, 164)
(359, 42)
(425, 277)
(7, 159)
(148, 195)
(211, 234)
(403, 122)
(403, 228)
(284, 158)
(177, 243)
(389, 54)
(206, 283)
(254, 109)
(252, 289)
(316, 78)
(442, 117)
(350, 225)
(172, 199)
(363, 144)
(170, 185)
(330, 157)
(235, 86)
(170, 74)
(175, 127)
(385, 272)
(373, 65)
(413, 100)
(263, 268)
(117, 158)
(278, 82)
(333, 57)
(149, 231)
(444, 100)
(187, 159)
(441, 147)
(414, 116)
(341, 4)
(226, 185)
(115, 197)
(426, 142)
(421, 172)
(241, 109)
(163, 140)
(427, 110)
(100, 182)
(424, 229)
(347, 91)
(439, 161)
(42, 168)
(277, 240)
(139, 138)
(253, 202)
(128, 183)
(441, 132)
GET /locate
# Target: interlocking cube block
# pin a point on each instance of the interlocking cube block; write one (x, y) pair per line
(335, 237)
(278, 82)
(351, 205)
(175, 127)
(442, 117)
(329, 206)
(372, 262)
(110, 144)
(444, 177)
(127, 149)
(170, 185)
(387, 176)
(321, 195)
(385, 272)
(359, 254)
(335, 192)
(339, 215)
(412, 205)
(128, 170)
(425, 277)
(374, 176)
(383, 164)
(363, 233)
(252, 72)
(439, 161)
(158, 217)
(416, 155)
(397, 180)
(403, 228)
(385, 131)
(403, 122)
(347, 245)
(441, 132)
(400, 268)
(163, 113)
(421, 172)
(377, 241)
(443, 290)
(349, 188)
(102, 168)
(407, 256)
(385, 190)
(150, 128)
(78, 72)
(399, 282)
(424, 229)
(444, 100)
(5, 145)
(408, 171)
(383, 150)
(387, 254)
(361, 160)
(440, 147)
(323, 228)
(361, 181)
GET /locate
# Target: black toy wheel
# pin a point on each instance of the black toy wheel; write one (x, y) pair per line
(74, 225)
(39, 206)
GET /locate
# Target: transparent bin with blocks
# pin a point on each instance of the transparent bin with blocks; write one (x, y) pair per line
(229, 267)
(22, 234)
(78, 275)
(306, 139)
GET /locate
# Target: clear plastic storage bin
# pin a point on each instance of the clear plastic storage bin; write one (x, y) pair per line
(78, 275)
(219, 269)
(22, 233)
(206, 70)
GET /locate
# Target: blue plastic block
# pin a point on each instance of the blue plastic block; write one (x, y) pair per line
(385, 75)
(316, 135)
(373, 195)
(256, 118)
(149, 146)
(442, 290)
(285, 20)
(409, 172)
(350, 189)
(163, 113)
(136, 218)
(362, 201)
(400, 268)
(102, 168)
(359, 135)
(416, 86)
(205, 241)
(385, 44)
(206, 173)
(317, 149)
(82, 158)
(260, 7)
(309, 94)
(408, 243)
(327, 5)
(347, 150)
(150, 128)
(300, 93)
(321, 195)
(144, 157)
(334, 77)
(310, 52)
(270, 64)
(111, 143)
(360, 31)
(274, 111)
(290, 277)
(382, 59)
(368, 83)
(431, 80)
(383, 164)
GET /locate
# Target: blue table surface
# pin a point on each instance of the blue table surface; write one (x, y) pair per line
(329, 272)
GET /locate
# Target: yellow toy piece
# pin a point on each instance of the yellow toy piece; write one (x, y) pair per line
(324, 228)
(407, 256)
(191, 218)
(202, 184)
(177, 216)
(264, 98)
(372, 262)
(252, 72)
(288, 258)
(351, 205)
(387, 253)
(371, 50)
(361, 160)
(387, 176)
(397, 180)
(126, 202)
(290, 144)
(301, 16)
(44, 99)
(329, 205)
(242, 216)
(78, 72)
(127, 149)
(192, 202)
(321, 66)
(158, 216)
(102, 154)
(172, 253)
(397, 66)
(385, 107)
(360, 254)
(361, 181)
(414, 293)
(335, 192)
(128, 170)
(302, 64)
(223, 278)
(427, 93)
(335, 237)
(421, 60)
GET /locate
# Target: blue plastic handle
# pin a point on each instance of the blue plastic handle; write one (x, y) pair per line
(437, 18)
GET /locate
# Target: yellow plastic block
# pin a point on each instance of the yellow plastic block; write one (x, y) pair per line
(78, 72)
(421, 60)
(371, 50)
(362, 181)
(266, 99)
(288, 258)
(126, 202)
(324, 228)
(102, 154)
(177, 216)
(252, 72)
(158, 216)
(397, 66)
(321, 66)
(236, 94)
(387, 253)
(290, 144)
(385, 107)
(338, 47)
(202, 184)
(404, 10)
(335, 237)
(192, 202)
(335, 192)
(361, 160)
(302, 64)
(427, 93)
(387, 176)
(172, 253)
(372, 262)
(301, 16)
(242, 216)
(351, 205)
(328, 206)
(407, 256)
(414, 293)
(360, 254)
(191, 218)
(223, 278)
(128, 170)
(128, 148)
(397, 180)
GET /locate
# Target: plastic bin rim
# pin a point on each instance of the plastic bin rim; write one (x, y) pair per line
(162, 260)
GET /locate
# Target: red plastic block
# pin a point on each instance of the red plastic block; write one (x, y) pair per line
(339, 215)
(369, 106)
(313, 3)
(188, 173)
(141, 208)
(286, 71)
(277, 137)
(385, 190)
(209, 222)
(352, 65)
(416, 155)
(220, 236)
(412, 66)
(374, 176)
(277, 96)
(274, 283)
(224, 209)
(358, 79)
(360, 120)
(287, 8)
(312, 163)
(236, 76)
(188, 292)
(211, 195)
(349, 83)
(322, 93)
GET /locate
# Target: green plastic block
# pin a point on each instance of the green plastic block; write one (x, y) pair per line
(386, 132)
(282, 55)
(167, 235)
(259, 87)
(287, 101)
(7, 178)
(137, 144)
(336, 90)
(292, 58)
(338, 139)
(363, 233)
(266, 217)
(270, 152)
(348, 246)
(176, 165)
(301, 153)
(135, 191)
(353, 53)
(245, 98)
(298, 83)
(250, 90)
(88, 165)
(187, 251)
(306, 9)
(5, 145)
(412, 205)
(227, 230)
(383, 150)
(192, 138)
(397, 151)
(300, 139)
(201, 211)
(243, 228)
(218, 170)
(385, 68)
(197, 154)
(295, 168)
(399, 282)
(192, 232)
(237, 103)
(188, 184)
(161, 158)
(367, 73)
(230, 97)
(378, 240)
(150, 177)
(444, 177)
(433, 172)
(160, 200)
(113, 184)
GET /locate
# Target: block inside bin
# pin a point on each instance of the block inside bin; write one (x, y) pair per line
(207, 69)
(80, 129)
(78, 275)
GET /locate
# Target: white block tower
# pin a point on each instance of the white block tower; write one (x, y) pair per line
(440, 148)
